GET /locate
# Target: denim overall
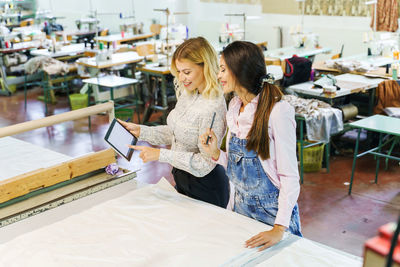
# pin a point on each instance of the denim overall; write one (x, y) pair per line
(255, 195)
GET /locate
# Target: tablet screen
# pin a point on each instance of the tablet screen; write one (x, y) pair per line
(119, 138)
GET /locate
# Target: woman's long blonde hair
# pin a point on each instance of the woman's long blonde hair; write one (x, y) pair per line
(199, 51)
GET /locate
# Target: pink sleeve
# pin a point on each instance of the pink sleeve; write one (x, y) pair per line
(284, 132)
(223, 156)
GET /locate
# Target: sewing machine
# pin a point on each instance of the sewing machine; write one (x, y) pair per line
(230, 32)
(136, 28)
(382, 44)
(90, 22)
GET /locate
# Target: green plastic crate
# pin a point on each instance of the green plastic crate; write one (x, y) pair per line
(124, 113)
(312, 157)
(78, 101)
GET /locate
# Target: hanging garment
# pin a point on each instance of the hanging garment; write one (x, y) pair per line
(387, 15)
(387, 95)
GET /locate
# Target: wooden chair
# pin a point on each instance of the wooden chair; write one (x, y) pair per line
(339, 55)
(156, 28)
(26, 22)
(263, 45)
(145, 50)
(104, 32)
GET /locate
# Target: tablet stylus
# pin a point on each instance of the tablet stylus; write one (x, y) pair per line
(212, 123)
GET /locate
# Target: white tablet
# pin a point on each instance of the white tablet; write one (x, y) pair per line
(119, 138)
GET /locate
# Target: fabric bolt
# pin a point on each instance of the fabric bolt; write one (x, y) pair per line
(281, 167)
(255, 194)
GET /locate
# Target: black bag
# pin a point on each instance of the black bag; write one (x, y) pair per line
(52, 27)
(297, 70)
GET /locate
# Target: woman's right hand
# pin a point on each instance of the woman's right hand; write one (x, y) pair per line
(212, 147)
(132, 127)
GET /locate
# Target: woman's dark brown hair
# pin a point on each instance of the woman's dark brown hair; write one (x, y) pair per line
(245, 61)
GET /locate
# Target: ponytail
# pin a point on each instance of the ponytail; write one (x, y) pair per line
(246, 62)
(258, 136)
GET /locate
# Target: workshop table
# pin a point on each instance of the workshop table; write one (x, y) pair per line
(161, 72)
(300, 120)
(150, 226)
(287, 52)
(19, 47)
(114, 83)
(348, 83)
(128, 37)
(381, 65)
(116, 59)
(79, 34)
(67, 52)
(94, 66)
(379, 124)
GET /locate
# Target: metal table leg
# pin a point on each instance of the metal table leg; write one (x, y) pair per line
(327, 154)
(301, 151)
(354, 160)
(164, 98)
(378, 159)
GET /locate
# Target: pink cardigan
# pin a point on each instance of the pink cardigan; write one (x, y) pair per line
(281, 167)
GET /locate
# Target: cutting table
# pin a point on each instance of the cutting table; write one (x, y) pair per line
(132, 224)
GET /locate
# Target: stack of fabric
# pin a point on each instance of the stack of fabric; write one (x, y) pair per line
(322, 120)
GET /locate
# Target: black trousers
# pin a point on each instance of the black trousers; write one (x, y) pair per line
(212, 188)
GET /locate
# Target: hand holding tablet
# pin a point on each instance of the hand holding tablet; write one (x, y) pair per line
(131, 127)
(119, 138)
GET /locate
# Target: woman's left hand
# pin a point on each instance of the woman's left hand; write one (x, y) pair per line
(266, 239)
(147, 153)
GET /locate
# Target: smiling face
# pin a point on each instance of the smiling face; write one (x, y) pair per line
(191, 75)
(225, 77)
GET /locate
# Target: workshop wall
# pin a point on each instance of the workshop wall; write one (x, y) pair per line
(206, 18)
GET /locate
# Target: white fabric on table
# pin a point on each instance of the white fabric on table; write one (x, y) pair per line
(19, 157)
(152, 226)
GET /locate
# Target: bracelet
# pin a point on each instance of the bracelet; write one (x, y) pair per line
(214, 159)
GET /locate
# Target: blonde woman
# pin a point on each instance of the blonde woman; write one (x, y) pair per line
(195, 68)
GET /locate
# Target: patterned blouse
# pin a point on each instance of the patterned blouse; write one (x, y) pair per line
(189, 119)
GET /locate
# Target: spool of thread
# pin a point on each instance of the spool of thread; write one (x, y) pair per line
(101, 46)
(394, 73)
(396, 54)
(312, 75)
(349, 111)
(122, 34)
(114, 45)
(85, 42)
(91, 44)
